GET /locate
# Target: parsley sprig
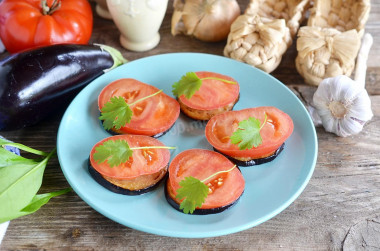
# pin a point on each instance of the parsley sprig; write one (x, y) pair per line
(194, 191)
(190, 83)
(247, 135)
(118, 151)
(116, 112)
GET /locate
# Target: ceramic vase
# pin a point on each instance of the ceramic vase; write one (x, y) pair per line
(102, 9)
(138, 22)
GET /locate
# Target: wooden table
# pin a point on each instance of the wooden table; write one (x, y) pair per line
(340, 207)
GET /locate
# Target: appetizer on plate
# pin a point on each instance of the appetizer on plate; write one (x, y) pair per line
(203, 94)
(250, 136)
(129, 106)
(203, 182)
(129, 164)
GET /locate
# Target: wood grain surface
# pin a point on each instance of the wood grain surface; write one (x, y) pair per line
(339, 209)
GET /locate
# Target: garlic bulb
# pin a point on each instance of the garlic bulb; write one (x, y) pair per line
(343, 104)
(207, 20)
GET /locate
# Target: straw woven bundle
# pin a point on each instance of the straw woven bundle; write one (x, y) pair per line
(264, 32)
(329, 44)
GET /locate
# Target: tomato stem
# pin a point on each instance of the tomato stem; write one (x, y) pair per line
(46, 10)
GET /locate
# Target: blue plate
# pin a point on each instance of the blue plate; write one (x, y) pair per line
(270, 187)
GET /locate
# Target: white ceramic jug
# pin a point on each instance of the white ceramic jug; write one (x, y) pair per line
(102, 9)
(138, 22)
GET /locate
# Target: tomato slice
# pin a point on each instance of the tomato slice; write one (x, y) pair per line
(213, 93)
(200, 164)
(277, 129)
(142, 162)
(151, 116)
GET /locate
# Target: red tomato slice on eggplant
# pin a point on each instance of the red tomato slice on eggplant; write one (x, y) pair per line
(142, 162)
(277, 129)
(213, 94)
(224, 189)
(152, 116)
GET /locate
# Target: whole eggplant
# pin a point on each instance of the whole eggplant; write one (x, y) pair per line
(35, 83)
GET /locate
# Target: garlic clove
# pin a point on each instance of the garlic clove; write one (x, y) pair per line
(314, 115)
(362, 108)
(350, 126)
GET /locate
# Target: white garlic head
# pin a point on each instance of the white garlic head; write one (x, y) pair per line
(343, 105)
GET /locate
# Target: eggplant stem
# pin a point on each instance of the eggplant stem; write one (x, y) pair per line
(116, 55)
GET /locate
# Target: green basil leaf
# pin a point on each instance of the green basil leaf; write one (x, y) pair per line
(19, 183)
(35, 204)
(8, 158)
(4, 142)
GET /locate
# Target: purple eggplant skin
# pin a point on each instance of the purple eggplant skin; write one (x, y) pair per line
(35, 83)
(254, 162)
(197, 211)
(116, 189)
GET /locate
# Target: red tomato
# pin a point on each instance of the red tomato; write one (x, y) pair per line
(277, 129)
(23, 24)
(201, 164)
(142, 162)
(213, 93)
(151, 116)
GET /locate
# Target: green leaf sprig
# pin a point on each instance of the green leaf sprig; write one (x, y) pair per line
(190, 83)
(116, 152)
(194, 192)
(116, 112)
(20, 180)
(247, 135)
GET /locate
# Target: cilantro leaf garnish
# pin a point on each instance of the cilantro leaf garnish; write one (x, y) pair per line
(190, 83)
(114, 151)
(194, 192)
(116, 112)
(248, 133)
(118, 151)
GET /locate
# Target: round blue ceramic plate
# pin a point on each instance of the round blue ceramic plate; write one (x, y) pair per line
(270, 187)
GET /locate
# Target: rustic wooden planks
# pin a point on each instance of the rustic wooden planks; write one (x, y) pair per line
(340, 207)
